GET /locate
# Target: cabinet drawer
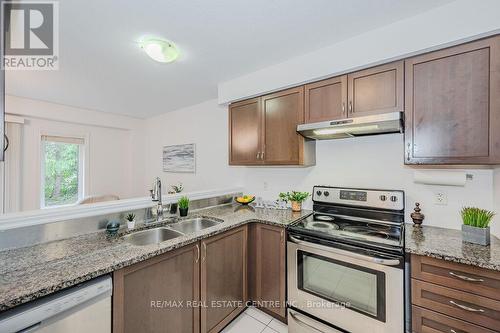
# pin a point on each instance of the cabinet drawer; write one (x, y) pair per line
(472, 279)
(426, 321)
(475, 309)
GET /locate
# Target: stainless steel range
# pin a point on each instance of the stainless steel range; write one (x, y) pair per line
(346, 263)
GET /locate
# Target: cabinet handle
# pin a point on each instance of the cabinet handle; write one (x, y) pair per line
(408, 152)
(204, 251)
(350, 107)
(452, 330)
(258, 154)
(465, 278)
(6, 144)
(282, 235)
(262, 155)
(466, 308)
(197, 254)
(343, 108)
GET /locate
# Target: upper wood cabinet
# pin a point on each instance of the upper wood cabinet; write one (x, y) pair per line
(263, 131)
(267, 272)
(452, 104)
(371, 91)
(173, 276)
(326, 100)
(376, 90)
(223, 278)
(245, 132)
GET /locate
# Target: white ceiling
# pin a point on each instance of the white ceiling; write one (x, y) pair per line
(102, 68)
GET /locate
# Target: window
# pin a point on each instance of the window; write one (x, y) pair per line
(62, 170)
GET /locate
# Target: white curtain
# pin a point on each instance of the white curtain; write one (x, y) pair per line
(11, 169)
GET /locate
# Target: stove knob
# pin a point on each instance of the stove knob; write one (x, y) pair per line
(318, 192)
(383, 197)
(394, 198)
(326, 193)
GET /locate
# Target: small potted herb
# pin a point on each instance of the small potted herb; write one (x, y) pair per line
(130, 220)
(296, 198)
(183, 205)
(476, 225)
(175, 189)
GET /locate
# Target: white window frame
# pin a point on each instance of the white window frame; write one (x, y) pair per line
(83, 168)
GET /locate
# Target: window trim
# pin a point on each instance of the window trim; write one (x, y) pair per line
(83, 179)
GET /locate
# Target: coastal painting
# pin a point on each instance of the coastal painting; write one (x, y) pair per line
(179, 158)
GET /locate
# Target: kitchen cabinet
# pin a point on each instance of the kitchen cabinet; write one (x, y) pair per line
(326, 100)
(452, 105)
(267, 271)
(376, 90)
(263, 131)
(367, 92)
(245, 132)
(223, 278)
(153, 295)
(448, 296)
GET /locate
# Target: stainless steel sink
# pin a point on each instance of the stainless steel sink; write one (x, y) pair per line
(151, 236)
(193, 225)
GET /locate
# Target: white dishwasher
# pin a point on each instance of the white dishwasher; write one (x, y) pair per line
(80, 309)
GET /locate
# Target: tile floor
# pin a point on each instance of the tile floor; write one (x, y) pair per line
(253, 320)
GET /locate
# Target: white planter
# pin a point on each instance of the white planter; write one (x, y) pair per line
(131, 224)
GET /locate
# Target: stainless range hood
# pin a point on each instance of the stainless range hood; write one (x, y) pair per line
(351, 127)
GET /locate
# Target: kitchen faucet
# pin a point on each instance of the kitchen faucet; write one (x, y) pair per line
(156, 196)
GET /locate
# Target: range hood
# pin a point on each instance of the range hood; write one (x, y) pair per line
(351, 127)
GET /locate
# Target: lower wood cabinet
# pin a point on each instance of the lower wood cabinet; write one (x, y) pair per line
(452, 297)
(223, 278)
(152, 296)
(199, 287)
(267, 271)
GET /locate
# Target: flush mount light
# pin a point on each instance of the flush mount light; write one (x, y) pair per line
(159, 50)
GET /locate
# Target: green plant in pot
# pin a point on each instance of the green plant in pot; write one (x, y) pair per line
(130, 220)
(476, 225)
(183, 205)
(296, 198)
(175, 189)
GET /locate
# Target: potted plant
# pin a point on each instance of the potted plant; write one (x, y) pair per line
(476, 225)
(130, 220)
(296, 198)
(175, 189)
(183, 205)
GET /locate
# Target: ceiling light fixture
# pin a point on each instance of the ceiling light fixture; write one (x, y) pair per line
(160, 50)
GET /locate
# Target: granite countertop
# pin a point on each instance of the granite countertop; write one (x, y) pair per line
(35, 271)
(447, 244)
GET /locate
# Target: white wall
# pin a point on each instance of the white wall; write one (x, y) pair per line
(495, 226)
(204, 124)
(457, 21)
(372, 162)
(111, 161)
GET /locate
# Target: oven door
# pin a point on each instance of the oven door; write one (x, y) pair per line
(355, 289)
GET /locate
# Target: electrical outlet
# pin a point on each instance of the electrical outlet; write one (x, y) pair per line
(265, 186)
(440, 198)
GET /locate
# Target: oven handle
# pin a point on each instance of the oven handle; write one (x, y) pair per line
(303, 324)
(375, 260)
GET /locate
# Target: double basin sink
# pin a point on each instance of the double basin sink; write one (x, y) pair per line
(174, 230)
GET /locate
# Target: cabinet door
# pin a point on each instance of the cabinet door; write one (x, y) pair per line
(270, 272)
(376, 90)
(152, 296)
(453, 105)
(282, 112)
(223, 278)
(326, 100)
(245, 132)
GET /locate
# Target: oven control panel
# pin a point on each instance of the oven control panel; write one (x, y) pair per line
(382, 199)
